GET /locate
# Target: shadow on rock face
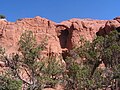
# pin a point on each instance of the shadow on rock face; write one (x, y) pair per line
(63, 38)
(118, 29)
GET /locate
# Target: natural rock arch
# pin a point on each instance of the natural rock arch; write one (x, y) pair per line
(62, 33)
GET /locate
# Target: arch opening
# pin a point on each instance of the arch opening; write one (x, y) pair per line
(63, 37)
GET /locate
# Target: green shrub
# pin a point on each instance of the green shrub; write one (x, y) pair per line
(2, 17)
(10, 84)
(85, 75)
(43, 73)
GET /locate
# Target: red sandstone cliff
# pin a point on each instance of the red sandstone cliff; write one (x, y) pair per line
(10, 33)
(62, 36)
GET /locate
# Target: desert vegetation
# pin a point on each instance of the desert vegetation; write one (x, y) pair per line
(82, 71)
(85, 72)
(2, 17)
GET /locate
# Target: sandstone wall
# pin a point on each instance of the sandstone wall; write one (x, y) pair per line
(61, 36)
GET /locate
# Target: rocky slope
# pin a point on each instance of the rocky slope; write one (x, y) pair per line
(61, 36)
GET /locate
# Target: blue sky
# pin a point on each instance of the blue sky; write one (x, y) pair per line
(59, 10)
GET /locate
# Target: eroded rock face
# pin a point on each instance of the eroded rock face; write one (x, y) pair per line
(10, 33)
(109, 26)
(61, 37)
(78, 28)
(87, 28)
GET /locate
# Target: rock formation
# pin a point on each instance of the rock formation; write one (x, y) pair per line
(61, 37)
(10, 33)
